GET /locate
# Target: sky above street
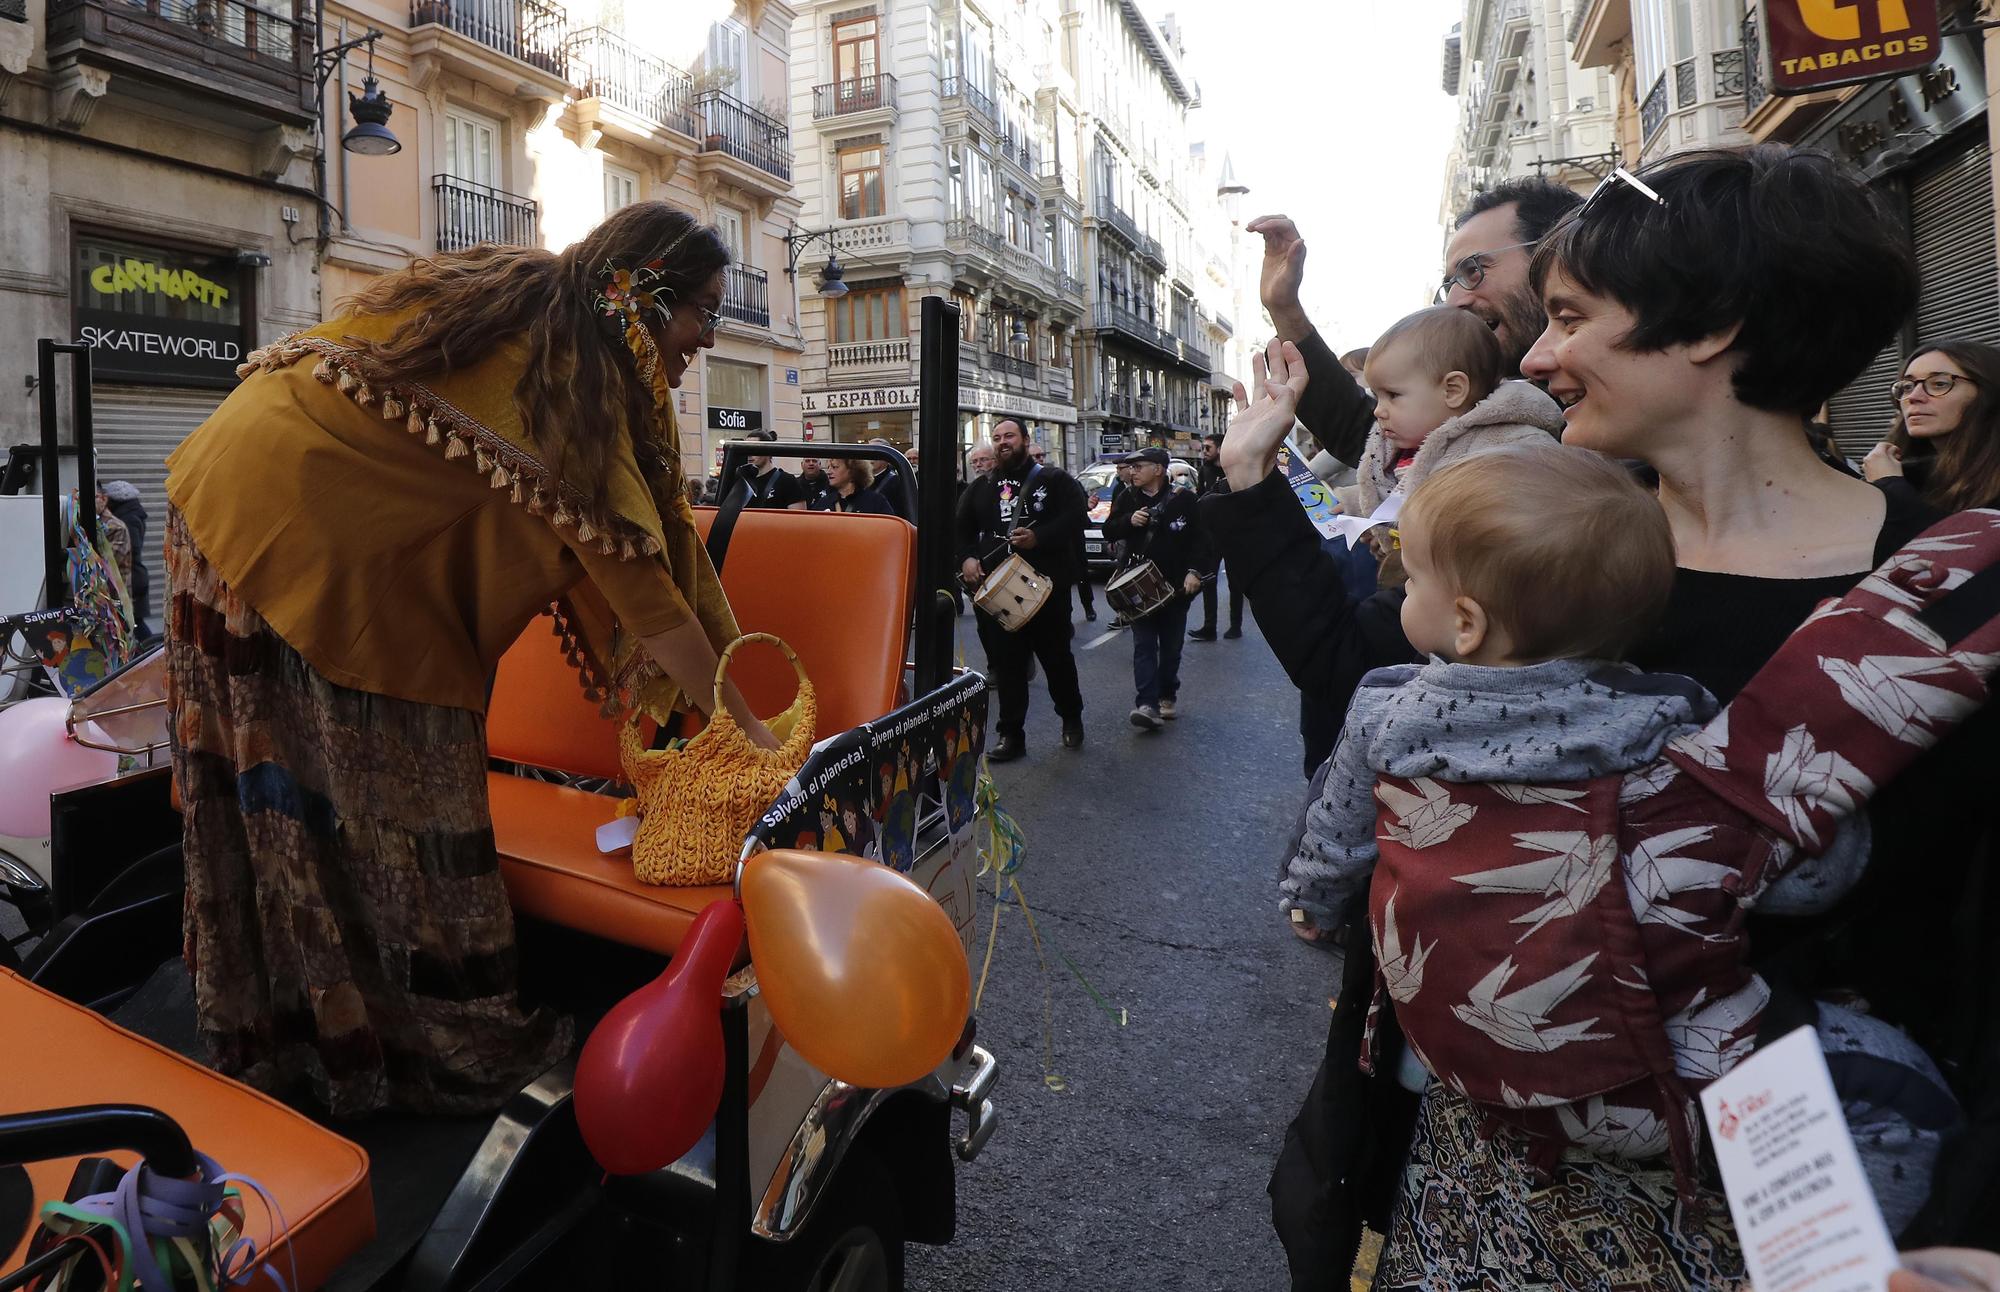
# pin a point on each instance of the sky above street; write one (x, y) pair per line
(1333, 113)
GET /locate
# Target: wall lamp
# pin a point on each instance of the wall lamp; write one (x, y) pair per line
(830, 275)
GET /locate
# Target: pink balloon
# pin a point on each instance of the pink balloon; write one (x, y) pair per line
(37, 757)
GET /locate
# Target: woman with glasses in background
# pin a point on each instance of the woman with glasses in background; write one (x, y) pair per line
(356, 536)
(1945, 443)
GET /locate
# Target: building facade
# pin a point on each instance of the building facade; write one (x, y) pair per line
(155, 181)
(929, 165)
(1678, 71)
(526, 122)
(1525, 106)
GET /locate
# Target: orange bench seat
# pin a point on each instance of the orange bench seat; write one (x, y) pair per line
(81, 1057)
(836, 587)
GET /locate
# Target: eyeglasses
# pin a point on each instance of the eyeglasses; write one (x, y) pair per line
(710, 319)
(1937, 385)
(1619, 175)
(1471, 271)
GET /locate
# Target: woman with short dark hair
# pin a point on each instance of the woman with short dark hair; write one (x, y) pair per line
(848, 481)
(1945, 443)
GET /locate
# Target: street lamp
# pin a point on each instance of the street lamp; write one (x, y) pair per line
(831, 285)
(370, 135)
(1019, 335)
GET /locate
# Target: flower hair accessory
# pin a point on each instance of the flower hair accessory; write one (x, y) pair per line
(624, 298)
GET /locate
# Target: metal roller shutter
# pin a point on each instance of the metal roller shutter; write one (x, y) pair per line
(1952, 206)
(1860, 414)
(135, 428)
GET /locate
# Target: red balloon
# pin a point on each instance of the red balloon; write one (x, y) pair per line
(650, 1076)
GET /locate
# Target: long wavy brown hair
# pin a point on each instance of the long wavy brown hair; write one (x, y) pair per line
(581, 382)
(1966, 471)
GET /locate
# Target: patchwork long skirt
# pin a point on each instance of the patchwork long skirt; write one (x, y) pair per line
(347, 930)
(1474, 1215)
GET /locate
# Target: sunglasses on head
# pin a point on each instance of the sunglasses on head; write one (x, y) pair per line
(1619, 175)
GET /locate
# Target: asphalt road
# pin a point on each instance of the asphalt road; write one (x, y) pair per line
(1151, 864)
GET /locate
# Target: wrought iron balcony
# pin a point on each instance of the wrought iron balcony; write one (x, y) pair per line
(1110, 317)
(1685, 89)
(1653, 112)
(1151, 251)
(1026, 370)
(1729, 73)
(534, 31)
(732, 126)
(241, 53)
(746, 295)
(957, 87)
(1110, 213)
(863, 94)
(612, 68)
(973, 233)
(469, 214)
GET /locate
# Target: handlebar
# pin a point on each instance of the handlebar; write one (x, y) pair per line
(97, 1128)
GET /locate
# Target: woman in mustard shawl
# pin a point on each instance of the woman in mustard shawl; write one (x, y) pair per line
(355, 537)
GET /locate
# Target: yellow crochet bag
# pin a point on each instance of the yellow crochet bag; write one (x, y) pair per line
(696, 802)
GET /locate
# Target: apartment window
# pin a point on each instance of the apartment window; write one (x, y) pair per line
(729, 50)
(471, 148)
(869, 312)
(855, 49)
(730, 225)
(621, 188)
(955, 168)
(860, 182)
(968, 315)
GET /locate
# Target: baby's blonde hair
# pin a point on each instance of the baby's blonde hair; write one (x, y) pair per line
(1446, 339)
(1562, 548)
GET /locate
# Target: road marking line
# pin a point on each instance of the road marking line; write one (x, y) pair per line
(1109, 634)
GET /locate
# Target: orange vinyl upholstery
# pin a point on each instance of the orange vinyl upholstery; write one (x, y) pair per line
(837, 587)
(318, 1178)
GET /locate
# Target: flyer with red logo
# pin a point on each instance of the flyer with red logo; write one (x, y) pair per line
(1803, 1208)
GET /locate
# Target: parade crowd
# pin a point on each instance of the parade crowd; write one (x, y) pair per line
(1617, 572)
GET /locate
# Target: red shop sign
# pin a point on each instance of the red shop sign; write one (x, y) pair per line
(1817, 44)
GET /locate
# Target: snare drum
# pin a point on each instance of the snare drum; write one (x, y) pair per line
(1013, 593)
(1139, 591)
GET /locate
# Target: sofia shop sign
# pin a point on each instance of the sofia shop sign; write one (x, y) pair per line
(157, 315)
(1817, 44)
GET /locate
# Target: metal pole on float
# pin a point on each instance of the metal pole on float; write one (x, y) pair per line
(937, 498)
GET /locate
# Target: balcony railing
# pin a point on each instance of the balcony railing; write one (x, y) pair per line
(863, 94)
(732, 126)
(1069, 286)
(1754, 89)
(975, 233)
(869, 354)
(746, 295)
(469, 214)
(957, 87)
(1653, 112)
(534, 31)
(1116, 318)
(1685, 89)
(1729, 75)
(611, 68)
(1151, 250)
(1014, 366)
(1109, 212)
(228, 46)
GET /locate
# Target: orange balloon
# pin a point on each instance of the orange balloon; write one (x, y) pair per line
(863, 973)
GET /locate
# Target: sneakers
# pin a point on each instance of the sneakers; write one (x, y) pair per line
(1072, 735)
(1232, 635)
(1146, 718)
(1007, 749)
(1202, 634)
(1167, 709)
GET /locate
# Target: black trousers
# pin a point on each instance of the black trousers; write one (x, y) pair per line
(1046, 638)
(1208, 600)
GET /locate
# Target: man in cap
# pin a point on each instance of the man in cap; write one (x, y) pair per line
(1162, 525)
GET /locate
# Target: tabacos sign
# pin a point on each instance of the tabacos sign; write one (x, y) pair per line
(156, 314)
(1818, 44)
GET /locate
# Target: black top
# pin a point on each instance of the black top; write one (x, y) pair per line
(1041, 498)
(890, 484)
(775, 488)
(861, 500)
(1172, 536)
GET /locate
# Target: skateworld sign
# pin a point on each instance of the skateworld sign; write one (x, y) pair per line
(1819, 44)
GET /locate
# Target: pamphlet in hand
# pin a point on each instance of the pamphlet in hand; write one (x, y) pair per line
(1315, 495)
(1803, 1209)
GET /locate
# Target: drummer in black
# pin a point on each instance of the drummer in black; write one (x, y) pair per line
(1037, 513)
(1160, 524)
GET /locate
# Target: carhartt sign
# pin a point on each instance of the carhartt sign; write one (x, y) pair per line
(1818, 44)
